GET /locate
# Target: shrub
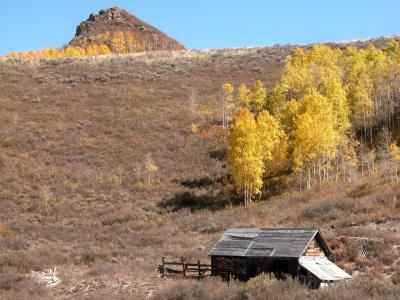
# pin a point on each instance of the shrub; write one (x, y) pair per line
(208, 289)
(359, 291)
(16, 286)
(88, 258)
(328, 210)
(396, 278)
(360, 191)
(18, 260)
(267, 287)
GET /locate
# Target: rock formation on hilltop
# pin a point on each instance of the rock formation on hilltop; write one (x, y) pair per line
(122, 33)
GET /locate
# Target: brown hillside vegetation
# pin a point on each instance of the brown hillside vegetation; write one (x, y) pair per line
(109, 163)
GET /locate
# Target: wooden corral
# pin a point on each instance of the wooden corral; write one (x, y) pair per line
(184, 269)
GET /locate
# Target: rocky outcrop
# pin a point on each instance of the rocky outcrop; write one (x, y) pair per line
(100, 28)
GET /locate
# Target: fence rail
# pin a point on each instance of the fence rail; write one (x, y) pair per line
(184, 269)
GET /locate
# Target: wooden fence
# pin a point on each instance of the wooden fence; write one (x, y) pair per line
(184, 269)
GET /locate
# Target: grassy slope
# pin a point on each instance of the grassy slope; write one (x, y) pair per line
(73, 137)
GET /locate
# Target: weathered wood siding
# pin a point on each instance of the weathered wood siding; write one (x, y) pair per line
(228, 267)
(314, 249)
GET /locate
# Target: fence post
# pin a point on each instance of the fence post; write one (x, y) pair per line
(183, 267)
(163, 265)
(198, 263)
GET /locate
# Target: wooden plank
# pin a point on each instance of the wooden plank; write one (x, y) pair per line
(187, 264)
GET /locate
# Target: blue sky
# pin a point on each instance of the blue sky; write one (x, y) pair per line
(35, 24)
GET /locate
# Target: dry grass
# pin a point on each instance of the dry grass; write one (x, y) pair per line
(73, 138)
(4, 230)
(265, 287)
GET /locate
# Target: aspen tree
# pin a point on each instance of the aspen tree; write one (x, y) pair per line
(150, 166)
(315, 138)
(384, 149)
(244, 159)
(12, 55)
(273, 144)
(309, 70)
(289, 117)
(259, 95)
(104, 50)
(334, 91)
(227, 104)
(118, 43)
(277, 102)
(395, 158)
(371, 157)
(244, 96)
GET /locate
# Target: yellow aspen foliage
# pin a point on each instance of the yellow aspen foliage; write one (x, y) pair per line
(150, 166)
(194, 128)
(129, 41)
(308, 70)
(118, 43)
(228, 89)
(103, 50)
(132, 43)
(315, 139)
(12, 55)
(69, 51)
(259, 95)
(370, 90)
(80, 51)
(244, 154)
(90, 50)
(277, 103)
(359, 94)
(273, 144)
(395, 158)
(244, 96)
(337, 95)
(22, 55)
(393, 47)
(289, 115)
(346, 158)
(227, 103)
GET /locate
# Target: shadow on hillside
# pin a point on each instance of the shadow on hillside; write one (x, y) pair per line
(190, 200)
(219, 154)
(198, 183)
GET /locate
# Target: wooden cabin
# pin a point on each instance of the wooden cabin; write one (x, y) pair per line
(303, 253)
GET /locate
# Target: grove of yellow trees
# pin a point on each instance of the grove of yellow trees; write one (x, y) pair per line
(321, 121)
(91, 50)
(102, 44)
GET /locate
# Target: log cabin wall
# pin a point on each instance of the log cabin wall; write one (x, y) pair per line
(228, 267)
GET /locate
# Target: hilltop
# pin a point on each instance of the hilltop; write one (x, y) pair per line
(100, 29)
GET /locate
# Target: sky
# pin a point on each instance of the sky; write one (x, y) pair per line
(36, 24)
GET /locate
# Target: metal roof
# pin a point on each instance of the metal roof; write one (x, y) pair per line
(323, 268)
(267, 242)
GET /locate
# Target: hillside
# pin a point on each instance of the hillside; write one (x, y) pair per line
(100, 28)
(75, 194)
